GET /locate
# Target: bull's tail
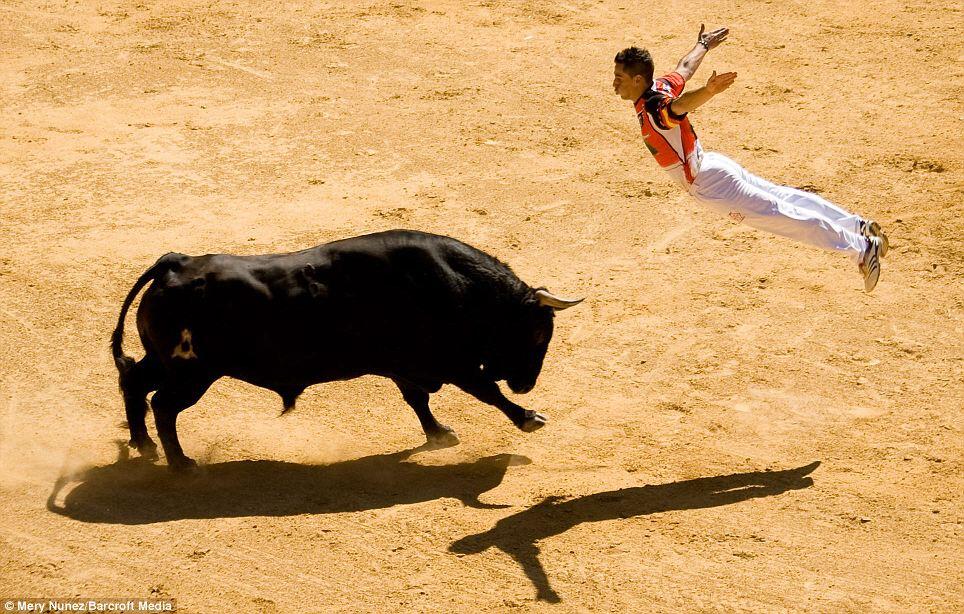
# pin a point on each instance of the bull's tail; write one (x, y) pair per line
(126, 363)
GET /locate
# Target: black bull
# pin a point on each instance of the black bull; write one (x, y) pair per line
(421, 309)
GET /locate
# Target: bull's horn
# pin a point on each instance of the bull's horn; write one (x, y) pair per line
(549, 300)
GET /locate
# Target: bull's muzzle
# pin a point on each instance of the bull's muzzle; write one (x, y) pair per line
(520, 387)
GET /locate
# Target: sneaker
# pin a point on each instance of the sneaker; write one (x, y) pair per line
(870, 228)
(870, 263)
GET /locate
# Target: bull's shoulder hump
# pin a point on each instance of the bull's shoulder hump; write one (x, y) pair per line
(456, 253)
(391, 238)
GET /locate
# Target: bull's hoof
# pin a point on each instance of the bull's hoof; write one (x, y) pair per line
(147, 449)
(182, 465)
(445, 437)
(533, 422)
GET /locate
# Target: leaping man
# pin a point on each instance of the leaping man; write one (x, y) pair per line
(720, 183)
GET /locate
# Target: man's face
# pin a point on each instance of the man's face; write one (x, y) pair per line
(627, 86)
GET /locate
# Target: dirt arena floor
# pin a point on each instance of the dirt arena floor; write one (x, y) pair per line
(734, 423)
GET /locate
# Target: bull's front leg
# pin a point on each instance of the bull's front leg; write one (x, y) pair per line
(488, 391)
(438, 434)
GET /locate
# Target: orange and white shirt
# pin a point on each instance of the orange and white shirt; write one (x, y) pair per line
(669, 137)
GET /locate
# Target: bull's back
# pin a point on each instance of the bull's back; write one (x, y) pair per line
(371, 304)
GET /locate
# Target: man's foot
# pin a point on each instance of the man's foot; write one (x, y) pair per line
(870, 228)
(870, 263)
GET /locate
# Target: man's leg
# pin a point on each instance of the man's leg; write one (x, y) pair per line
(724, 186)
(766, 212)
(821, 206)
(808, 201)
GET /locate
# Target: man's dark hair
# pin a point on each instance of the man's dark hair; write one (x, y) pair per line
(636, 61)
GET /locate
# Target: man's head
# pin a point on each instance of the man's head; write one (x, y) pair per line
(633, 73)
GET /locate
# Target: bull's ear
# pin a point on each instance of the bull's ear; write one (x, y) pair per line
(317, 290)
(308, 271)
(547, 299)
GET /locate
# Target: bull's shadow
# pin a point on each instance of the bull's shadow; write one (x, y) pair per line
(138, 492)
(518, 535)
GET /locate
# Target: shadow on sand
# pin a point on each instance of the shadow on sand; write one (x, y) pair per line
(518, 534)
(135, 491)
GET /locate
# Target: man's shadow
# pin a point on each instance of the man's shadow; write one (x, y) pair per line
(518, 535)
(135, 491)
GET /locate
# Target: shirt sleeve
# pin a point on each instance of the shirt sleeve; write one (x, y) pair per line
(676, 83)
(666, 89)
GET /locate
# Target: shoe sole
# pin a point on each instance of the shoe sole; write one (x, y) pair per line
(870, 281)
(873, 275)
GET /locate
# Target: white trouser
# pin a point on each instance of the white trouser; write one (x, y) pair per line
(727, 188)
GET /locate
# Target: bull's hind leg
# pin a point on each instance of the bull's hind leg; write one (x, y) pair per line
(135, 384)
(438, 434)
(167, 403)
(488, 391)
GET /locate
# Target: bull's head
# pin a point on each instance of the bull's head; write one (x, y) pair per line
(523, 349)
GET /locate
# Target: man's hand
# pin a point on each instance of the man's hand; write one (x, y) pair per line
(688, 65)
(717, 83)
(690, 101)
(714, 38)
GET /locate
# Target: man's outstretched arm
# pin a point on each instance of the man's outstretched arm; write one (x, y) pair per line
(704, 42)
(696, 98)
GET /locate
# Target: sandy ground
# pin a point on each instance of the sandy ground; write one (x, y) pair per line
(691, 397)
